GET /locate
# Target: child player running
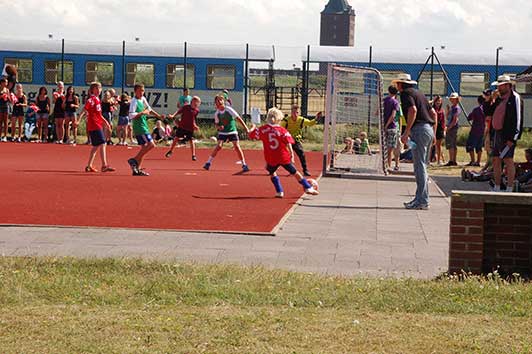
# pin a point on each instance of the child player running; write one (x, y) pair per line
(139, 109)
(278, 151)
(95, 126)
(186, 126)
(225, 120)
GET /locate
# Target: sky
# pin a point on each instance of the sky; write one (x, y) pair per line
(414, 24)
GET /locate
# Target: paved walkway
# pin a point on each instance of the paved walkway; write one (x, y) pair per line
(353, 227)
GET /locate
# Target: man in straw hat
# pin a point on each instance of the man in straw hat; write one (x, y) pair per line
(507, 122)
(420, 129)
(453, 120)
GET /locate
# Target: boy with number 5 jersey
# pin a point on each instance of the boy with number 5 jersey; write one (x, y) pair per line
(278, 151)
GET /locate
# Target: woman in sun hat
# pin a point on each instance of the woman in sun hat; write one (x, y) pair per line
(453, 120)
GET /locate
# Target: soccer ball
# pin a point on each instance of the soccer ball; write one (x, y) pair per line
(314, 183)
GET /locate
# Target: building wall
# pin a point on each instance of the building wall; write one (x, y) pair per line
(337, 30)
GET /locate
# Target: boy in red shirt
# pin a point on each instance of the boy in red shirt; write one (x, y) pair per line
(277, 143)
(186, 126)
(95, 127)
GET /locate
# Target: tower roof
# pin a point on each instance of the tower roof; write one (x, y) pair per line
(336, 7)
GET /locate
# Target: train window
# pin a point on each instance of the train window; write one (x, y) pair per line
(221, 77)
(140, 74)
(175, 76)
(388, 76)
(439, 84)
(472, 84)
(521, 87)
(24, 68)
(52, 71)
(102, 72)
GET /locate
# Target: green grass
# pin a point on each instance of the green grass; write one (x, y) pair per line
(133, 306)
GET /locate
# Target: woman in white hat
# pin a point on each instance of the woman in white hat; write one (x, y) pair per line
(453, 120)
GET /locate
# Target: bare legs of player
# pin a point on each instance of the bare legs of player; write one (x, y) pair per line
(103, 155)
(143, 151)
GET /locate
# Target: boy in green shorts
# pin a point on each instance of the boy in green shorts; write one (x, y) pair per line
(138, 114)
(225, 120)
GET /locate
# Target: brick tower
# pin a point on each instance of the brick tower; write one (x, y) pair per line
(338, 24)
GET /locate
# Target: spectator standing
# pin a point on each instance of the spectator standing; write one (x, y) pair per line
(59, 112)
(70, 106)
(507, 123)
(43, 102)
(437, 104)
(475, 141)
(420, 129)
(392, 114)
(184, 99)
(451, 133)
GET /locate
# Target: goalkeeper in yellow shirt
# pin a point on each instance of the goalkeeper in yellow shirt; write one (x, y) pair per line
(295, 124)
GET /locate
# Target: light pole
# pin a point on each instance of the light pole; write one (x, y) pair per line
(497, 62)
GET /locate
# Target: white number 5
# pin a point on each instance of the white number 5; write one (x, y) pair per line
(274, 143)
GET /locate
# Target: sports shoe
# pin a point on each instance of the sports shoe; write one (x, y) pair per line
(311, 191)
(416, 206)
(207, 166)
(412, 202)
(279, 195)
(194, 158)
(141, 173)
(245, 168)
(168, 154)
(90, 169)
(108, 169)
(306, 173)
(134, 165)
(4, 139)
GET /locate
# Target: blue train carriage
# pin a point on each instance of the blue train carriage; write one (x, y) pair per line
(161, 67)
(469, 73)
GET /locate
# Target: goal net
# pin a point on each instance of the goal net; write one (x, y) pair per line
(353, 135)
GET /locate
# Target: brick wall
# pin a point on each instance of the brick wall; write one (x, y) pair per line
(507, 238)
(490, 231)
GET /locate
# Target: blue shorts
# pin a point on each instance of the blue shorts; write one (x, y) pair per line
(144, 139)
(475, 143)
(97, 137)
(288, 167)
(123, 120)
(225, 137)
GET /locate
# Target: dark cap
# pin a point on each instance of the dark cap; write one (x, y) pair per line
(487, 92)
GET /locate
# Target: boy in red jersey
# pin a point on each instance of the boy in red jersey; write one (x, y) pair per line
(277, 143)
(95, 126)
(186, 126)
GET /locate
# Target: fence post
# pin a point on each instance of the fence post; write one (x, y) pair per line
(123, 64)
(185, 63)
(306, 78)
(432, 73)
(369, 89)
(246, 80)
(63, 60)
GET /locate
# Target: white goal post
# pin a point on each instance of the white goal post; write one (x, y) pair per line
(354, 109)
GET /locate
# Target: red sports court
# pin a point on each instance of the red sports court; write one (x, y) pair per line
(44, 184)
